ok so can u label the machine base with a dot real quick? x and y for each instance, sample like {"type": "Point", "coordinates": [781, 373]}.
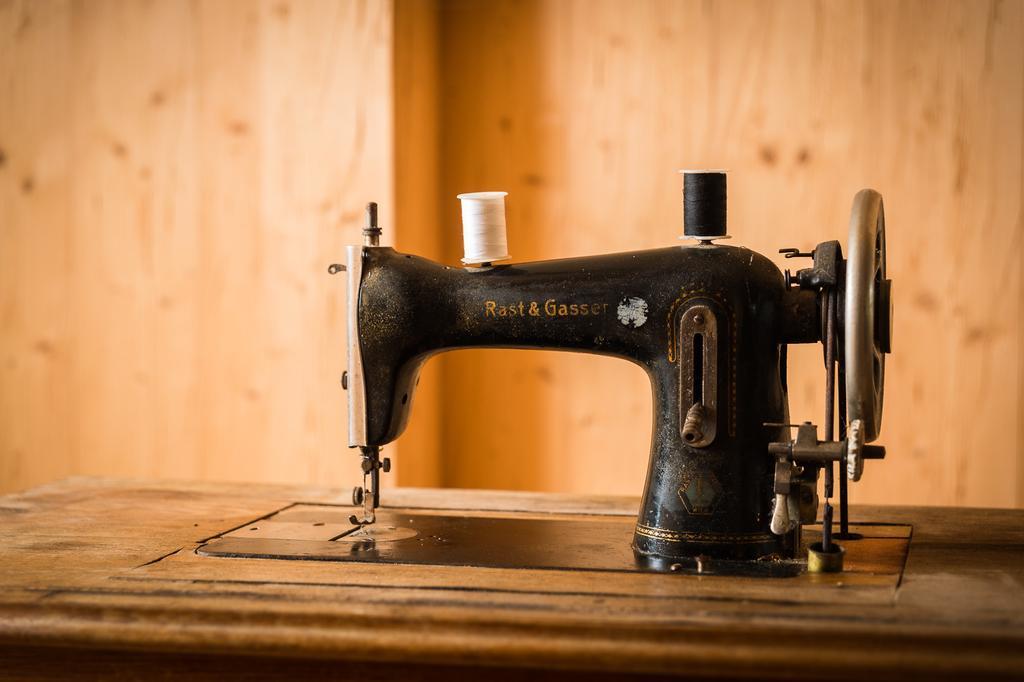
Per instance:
{"type": "Point", "coordinates": [507, 540]}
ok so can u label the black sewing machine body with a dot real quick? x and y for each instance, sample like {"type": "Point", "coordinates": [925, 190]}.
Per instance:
{"type": "Point", "coordinates": [709, 323]}
{"type": "Point", "coordinates": [713, 499]}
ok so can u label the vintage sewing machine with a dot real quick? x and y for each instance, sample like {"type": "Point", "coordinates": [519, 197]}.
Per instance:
{"type": "Point", "coordinates": [709, 322]}
{"type": "Point", "coordinates": [271, 580]}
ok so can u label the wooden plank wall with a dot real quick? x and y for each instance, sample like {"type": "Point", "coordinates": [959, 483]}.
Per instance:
{"type": "Point", "coordinates": [584, 109]}
{"type": "Point", "coordinates": [417, 212]}
{"type": "Point", "coordinates": [174, 177]}
{"type": "Point", "coordinates": [174, 180]}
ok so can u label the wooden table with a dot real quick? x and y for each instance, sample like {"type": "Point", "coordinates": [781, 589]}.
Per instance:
{"type": "Point", "coordinates": [101, 578]}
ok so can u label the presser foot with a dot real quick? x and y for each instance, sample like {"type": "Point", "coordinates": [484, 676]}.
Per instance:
{"type": "Point", "coordinates": [369, 494]}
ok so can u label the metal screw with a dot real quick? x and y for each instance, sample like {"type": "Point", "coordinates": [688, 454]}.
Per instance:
{"type": "Point", "coordinates": [386, 464]}
{"type": "Point", "coordinates": [357, 495]}
{"type": "Point", "coordinates": [344, 380]}
{"type": "Point", "coordinates": [698, 319]}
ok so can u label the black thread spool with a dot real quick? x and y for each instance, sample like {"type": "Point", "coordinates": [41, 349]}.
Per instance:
{"type": "Point", "coordinates": [704, 204]}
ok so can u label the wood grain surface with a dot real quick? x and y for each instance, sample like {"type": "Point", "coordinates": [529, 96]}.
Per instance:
{"type": "Point", "coordinates": [98, 572]}
{"type": "Point", "coordinates": [417, 212]}
{"type": "Point", "coordinates": [175, 180]}
{"type": "Point", "coordinates": [583, 110]}
{"type": "Point", "coordinates": [175, 177]}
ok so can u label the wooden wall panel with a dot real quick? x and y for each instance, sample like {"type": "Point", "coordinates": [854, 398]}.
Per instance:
{"type": "Point", "coordinates": [175, 179]}
{"type": "Point", "coordinates": [583, 111]}
{"type": "Point", "coordinates": [35, 195]}
{"type": "Point", "coordinates": [416, 223]}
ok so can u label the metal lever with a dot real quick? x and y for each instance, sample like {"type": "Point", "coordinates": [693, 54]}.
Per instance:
{"type": "Point", "coordinates": [796, 253]}
{"type": "Point", "coordinates": [698, 376]}
{"type": "Point", "coordinates": [807, 449]}
{"type": "Point", "coordinates": [786, 509]}
{"type": "Point", "coordinates": [693, 425]}
{"type": "Point", "coordinates": [781, 521]}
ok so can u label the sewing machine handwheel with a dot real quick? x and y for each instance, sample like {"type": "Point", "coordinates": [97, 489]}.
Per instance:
{"type": "Point", "coordinates": [867, 313]}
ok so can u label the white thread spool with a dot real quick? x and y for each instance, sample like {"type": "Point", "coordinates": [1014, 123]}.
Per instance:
{"type": "Point", "coordinates": [483, 227]}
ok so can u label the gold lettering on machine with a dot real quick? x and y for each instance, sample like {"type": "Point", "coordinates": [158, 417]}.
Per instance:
{"type": "Point", "coordinates": [548, 308]}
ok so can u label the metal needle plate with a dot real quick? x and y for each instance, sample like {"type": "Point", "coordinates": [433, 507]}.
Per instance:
{"type": "Point", "coordinates": [449, 538]}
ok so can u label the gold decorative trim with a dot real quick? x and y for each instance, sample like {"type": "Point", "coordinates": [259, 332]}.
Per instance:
{"type": "Point", "coordinates": [710, 538]}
